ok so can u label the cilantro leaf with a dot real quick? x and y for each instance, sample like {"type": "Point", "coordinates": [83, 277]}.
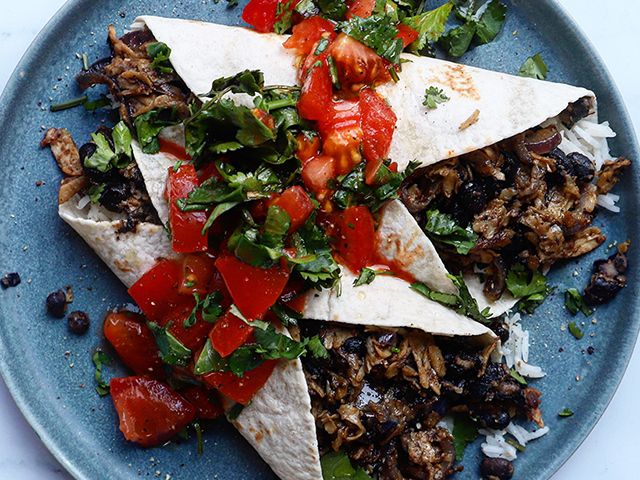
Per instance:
{"type": "Point", "coordinates": [317, 348]}
{"type": "Point", "coordinates": [446, 299]}
{"type": "Point", "coordinates": [333, 9]}
{"type": "Point", "coordinates": [95, 192]}
{"type": "Point", "coordinates": [367, 275]}
{"type": "Point", "coordinates": [310, 240]}
{"type": "Point", "coordinates": [105, 158]}
{"type": "Point", "coordinates": [172, 351]}
{"type": "Point", "coordinates": [429, 25]}
{"type": "Point", "coordinates": [491, 22]}
{"type": "Point", "coordinates": [209, 361]}
{"type": "Point", "coordinates": [516, 376]}
{"type": "Point", "coordinates": [99, 360]}
{"type": "Point", "coordinates": [377, 32]}
{"type": "Point", "coordinates": [276, 226]}
{"type": "Point", "coordinates": [247, 81]}
{"type": "Point", "coordinates": [337, 466]}
{"type": "Point", "coordinates": [458, 40]}
{"type": "Point", "coordinates": [565, 412]}
{"type": "Point", "coordinates": [122, 139]}
{"type": "Point", "coordinates": [160, 53]}
{"type": "Point", "coordinates": [530, 287]}
{"type": "Point", "coordinates": [209, 307]}
{"type": "Point", "coordinates": [464, 432]}
{"type": "Point", "coordinates": [149, 125]}
{"type": "Point", "coordinates": [284, 16]}
{"type": "Point", "coordinates": [534, 67]}
{"type": "Point", "coordinates": [286, 315]}
{"type": "Point", "coordinates": [574, 302]}
{"type": "Point", "coordinates": [443, 229]}
{"type": "Point", "coordinates": [433, 96]}
{"type": "Point", "coordinates": [575, 330]}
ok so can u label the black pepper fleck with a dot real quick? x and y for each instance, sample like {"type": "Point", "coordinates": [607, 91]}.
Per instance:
{"type": "Point", "coordinates": [78, 322]}
{"type": "Point", "coordinates": [10, 280]}
{"type": "Point", "coordinates": [590, 350]}
{"type": "Point", "coordinates": [57, 303]}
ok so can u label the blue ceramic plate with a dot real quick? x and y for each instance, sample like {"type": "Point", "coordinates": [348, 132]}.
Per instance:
{"type": "Point", "coordinates": [50, 372]}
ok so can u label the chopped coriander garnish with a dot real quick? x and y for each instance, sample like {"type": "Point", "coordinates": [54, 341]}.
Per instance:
{"type": "Point", "coordinates": [482, 23]}
{"type": "Point", "coordinates": [464, 432]}
{"type": "Point", "coordinates": [333, 72]}
{"type": "Point", "coordinates": [234, 412]}
{"type": "Point", "coordinates": [74, 102]}
{"type": "Point", "coordinates": [160, 53]}
{"type": "Point", "coordinates": [434, 96]}
{"type": "Point", "coordinates": [286, 315]}
{"type": "Point", "coordinates": [367, 275]}
{"type": "Point", "coordinates": [443, 228]}
{"type": "Point", "coordinates": [198, 429]}
{"type": "Point", "coordinates": [530, 287]}
{"type": "Point", "coordinates": [105, 158]}
{"type": "Point", "coordinates": [514, 443]}
{"type": "Point", "coordinates": [574, 302]}
{"type": "Point", "coordinates": [377, 32]}
{"type": "Point", "coordinates": [515, 375]}
{"type": "Point", "coordinates": [209, 308]}
{"type": "Point", "coordinates": [95, 192]}
{"type": "Point", "coordinates": [172, 351]}
{"type": "Point", "coordinates": [429, 25]}
{"type": "Point", "coordinates": [534, 67]}
{"type": "Point", "coordinates": [93, 105]}
{"type": "Point", "coordinates": [575, 330]}
{"type": "Point", "coordinates": [99, 360]}
{"type": "Point", "coordinates": [565, 412]}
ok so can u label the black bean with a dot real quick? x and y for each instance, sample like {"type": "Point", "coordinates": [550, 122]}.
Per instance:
{"type": "Point", "coordinates": [57, 303]}
{"type": "Point", "coordinates": [496, 468]}
{"type": "Point", "coordinates": [500, 329]}
{"type": "Point", "coordinates": [354, 345]}
{"type": "Point", "coordinates": [491, 416]}
{"type": "Point", "coordinates": [78, 322]}
{"type": "Point", "coordinates": [87, 150]}
{"type": "Point", "coordinates": [474, 195]}
{"type": "Point", "coordinates": [10, 280]}
{"type": "Point", "coordinates": [581, 167]}
{"type": "Point", "coordinates": [113, 196]}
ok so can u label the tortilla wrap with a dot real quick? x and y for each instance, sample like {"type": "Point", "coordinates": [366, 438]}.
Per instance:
{"type": "Point", "coordinates": [506, 104]}
{"type": "Point", "coordinates": [129, 255]}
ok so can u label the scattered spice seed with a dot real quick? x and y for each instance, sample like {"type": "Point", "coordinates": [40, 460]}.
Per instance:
{"type": "Point", "coordinates": [10, 280]}
{"type": "Point", "coordinates": [78, 322]}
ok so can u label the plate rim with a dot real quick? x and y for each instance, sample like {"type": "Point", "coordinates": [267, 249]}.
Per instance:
{"type": "Point", "coordinates": [10, 95]}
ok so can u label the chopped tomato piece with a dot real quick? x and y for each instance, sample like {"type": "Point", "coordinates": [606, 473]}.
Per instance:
{"type": "Point", "coordinates": [317, 92]}
{"type": "Point", "coordinates": [308, 147]}
{"type": "Point", "coordinates": [263, 14]}
{"type": "Point", "coordinates": [407, 34]}
{"type": "Point", "coordinates": [192, 337]}
{"type": "Point", "coordinates": [228, 333]}
{"type": "Point", "coordinates": [354, 237]}
{"type": "Point", "coordinates": [156, 292]}
{"type": "Point", "coordinates": [209, 171]}
{"type": "Point", "coordinates": [297, 204]}
{"type": "Point", "coordinates": [197, 271]}
{"type": "Point", "coordinates": [307, 33]}
{"type": "Point", "coordinates": [254, 290]}
{"type": "Point", "coordinates": [361, 8]}
{"type": "Point", "coordinates": [129, 335]}
{"type": "Point", "coordinates": [206, 408]}
{"type": "Point", "coordinates": [317, 172]}
{"type": "Point", "coordinates": [186, 227]}
{"type": "Point", "coordinates": [172, 148]}
{"type": "Point", "coordinates": [150, 412]}
{"type": "Point", "coordinates": [378, 125]}
{"type": "Point", "coordinates": [241, 389]}
{"type": "Point", "coordinates": [357, 64]}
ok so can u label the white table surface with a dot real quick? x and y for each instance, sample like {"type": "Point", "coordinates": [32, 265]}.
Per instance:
{"type": "Point", "coordinates": [610, 452]}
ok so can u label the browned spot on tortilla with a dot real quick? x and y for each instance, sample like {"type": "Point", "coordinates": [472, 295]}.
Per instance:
{"type": "Point", "coordinates": [473, 118]}
{"type": "Point", "coordinates": [259, 436]}
{"type": "Point", "coordinates": [456, 78]}
{"type": "Point", "coordinates": [122, 265]}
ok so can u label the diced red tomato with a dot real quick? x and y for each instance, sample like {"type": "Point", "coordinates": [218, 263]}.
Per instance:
{"type": "Point", "coordinates": [241, 390]}
{"type": "Point", "coordinates": [172, 148]}
{"type": "Point", "coordinates": [253, 290]}
{"type": "Point", "coordinates": [129, 335]}
{"type": "Point", "coordinates": [306, 34]}
{"type": "Point", "coordinates": [317, 92]}
{"type": "Point", "coordinates": [262, 14]}
{"type": "Point", "coordinates": [156, 292]}
{"type": "Point", "coordinates": [354, 237]}
{"type": "Point", "coordinates": [357, 64]}
{"type": "Point", "coordinates": [206, 408]}
{"type": "Point", "coordinates": [295, 201]}
{"type": "Point", "coordinates": [361, 8]}
{"type": "Point", "coordinates": [186, 227]}
{"type": "Point", "coordinates": [150, 412]}
{"type": "Point", "coordinates": [317, 172]}
{"type": "Point", "coordinates": [308, 147]}
{"type": "Point", "coordinates": [378, 125]}
{"type": "Point", "coordinates": [228, 333]}
{"type": "Point", "coordinates": [407, 34]}
{"type": "Point", "coordinates": [197, 271]}
{"type": "Point", "coordinates": [192, 337]}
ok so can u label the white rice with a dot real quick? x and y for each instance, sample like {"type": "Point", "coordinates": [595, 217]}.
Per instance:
{"type": "Point", "coordinates": [515, 351]}
{"type": "Point", "coordinates": [95, 212]}
{"type": "Point", "coordinates": [496, 446]}
{"type": "Point", "coordinates": [589, 138]}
